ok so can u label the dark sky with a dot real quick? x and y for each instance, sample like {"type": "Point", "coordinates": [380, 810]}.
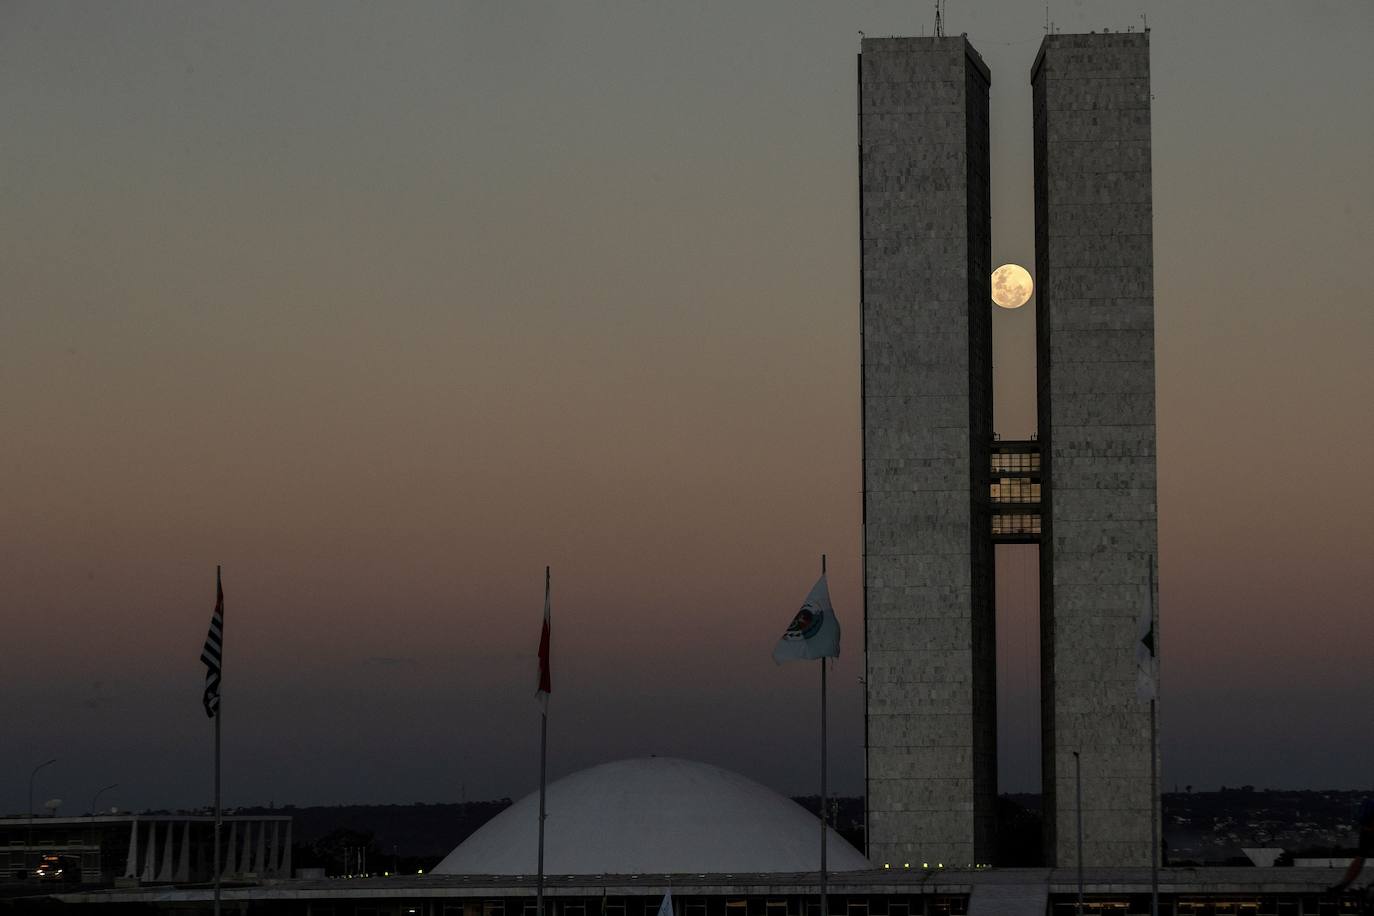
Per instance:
{"type": "Point", "coordinates": [386, 307]}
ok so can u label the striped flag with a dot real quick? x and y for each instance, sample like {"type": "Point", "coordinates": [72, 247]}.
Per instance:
{"type": "Point", "coordinates": [214, 645]}
{"type": "Point", "coordinates": [545, 679]}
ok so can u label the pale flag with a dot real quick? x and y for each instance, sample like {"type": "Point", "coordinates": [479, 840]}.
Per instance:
{"type": "Point", "coordinates": [1146, 659]}
{"type": "Point", "coordinates": [666, 907]}
{"type": "Point", "coordinates": [814, 632]}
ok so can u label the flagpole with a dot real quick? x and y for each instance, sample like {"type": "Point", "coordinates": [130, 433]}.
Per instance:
{"type": "Point", "coordinates": [1078, 812]}
{"type": "Point", "coordinates": [543, 745]}
{"type": "Point", "coordinates": [543, 759]}
{"type": "Point", "coordinates": [1154, 758]}
{"type": "Point", "coordinates": [219, 711]}
{"type": "Point", "coordinates": [824, 801]}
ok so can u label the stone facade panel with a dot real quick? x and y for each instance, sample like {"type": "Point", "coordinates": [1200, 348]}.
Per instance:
{"type": "Point", "coordinates": [1095, 342]}
{"type": "Point", "coordinates": [927, 427]}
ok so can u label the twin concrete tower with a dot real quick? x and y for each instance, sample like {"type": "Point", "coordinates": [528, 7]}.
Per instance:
{"type": "Point", "coordinates": [940, 490]}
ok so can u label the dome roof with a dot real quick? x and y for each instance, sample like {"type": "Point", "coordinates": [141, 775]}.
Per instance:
{"type": "Point", "coordinates": [652, 815]}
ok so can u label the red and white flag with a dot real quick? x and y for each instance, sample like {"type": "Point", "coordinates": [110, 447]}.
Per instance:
{"type": "Point", "coordinates": [545, 680]}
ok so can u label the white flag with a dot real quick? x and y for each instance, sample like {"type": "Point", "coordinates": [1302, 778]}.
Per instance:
{"type": "Point", "coordinates": [1146, 681]}
{"type": "Point", "coordinates": [666, 907]}
{"type": "Point", "coordinates": [814, 632]}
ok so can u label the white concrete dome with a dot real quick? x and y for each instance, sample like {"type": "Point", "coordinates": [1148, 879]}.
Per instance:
{"type": "Point", "coordinates": [652, 815]}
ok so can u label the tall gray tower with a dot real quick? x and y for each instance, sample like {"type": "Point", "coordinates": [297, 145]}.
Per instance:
{"type": "Point", "coordinates": [1095, 351]}
{"type": "Point", "coordinates": [927, 415]}
{"type": "Point", "coordinates": [940, 491]}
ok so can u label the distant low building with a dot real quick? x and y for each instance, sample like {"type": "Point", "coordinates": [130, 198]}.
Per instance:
{"type": "Point", "coordinates": [142, 848]}
{"type": "Point", "coordinates": [1322, 862]}
{"type": "Point", "coordinates": [1263, 856]}
{"type": "Point", "coordinates": [618, 836]}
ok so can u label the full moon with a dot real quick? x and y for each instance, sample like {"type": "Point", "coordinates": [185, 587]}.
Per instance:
{"type": "Point", "coordinates": [1011, 286]}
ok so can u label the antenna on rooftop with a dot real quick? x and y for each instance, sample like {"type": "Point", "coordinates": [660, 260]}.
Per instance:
{"type": "Point", "coordinates": [1144, 22]}
{"type": "Point", "coordinates": [1047, 18]}
{"type": "Point", "coordinates": [939, 18]}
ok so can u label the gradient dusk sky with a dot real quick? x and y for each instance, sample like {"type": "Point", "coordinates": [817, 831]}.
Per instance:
{"type": "Point", "coordinates": [386, 306]}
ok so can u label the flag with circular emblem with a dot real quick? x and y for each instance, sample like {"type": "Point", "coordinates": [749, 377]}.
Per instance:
{"type": "Point", "coordinates": [814, 632]}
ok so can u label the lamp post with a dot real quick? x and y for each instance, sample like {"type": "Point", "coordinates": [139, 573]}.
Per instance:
{"type": "Point", "coordinates": [94, 842]}
{"type": "Point", "coordinates": [28, 839]}
{"type": "Point", "coordinates": [103, 790]}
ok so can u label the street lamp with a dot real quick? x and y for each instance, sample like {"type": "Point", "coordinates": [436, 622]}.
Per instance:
{"type": "Point", "coordinates": [94, 841]}
{"type": "Point", "coordinates": [113, 785]}
{"type": "Point", "coordinates": [28, 840]}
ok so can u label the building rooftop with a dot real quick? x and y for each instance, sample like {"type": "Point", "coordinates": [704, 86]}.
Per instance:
{"type": "Point", "coordinates": [652, 814]}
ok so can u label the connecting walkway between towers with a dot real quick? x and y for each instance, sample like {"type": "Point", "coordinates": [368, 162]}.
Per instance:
{"type": "Point", "coordinates": [1014, 491]}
